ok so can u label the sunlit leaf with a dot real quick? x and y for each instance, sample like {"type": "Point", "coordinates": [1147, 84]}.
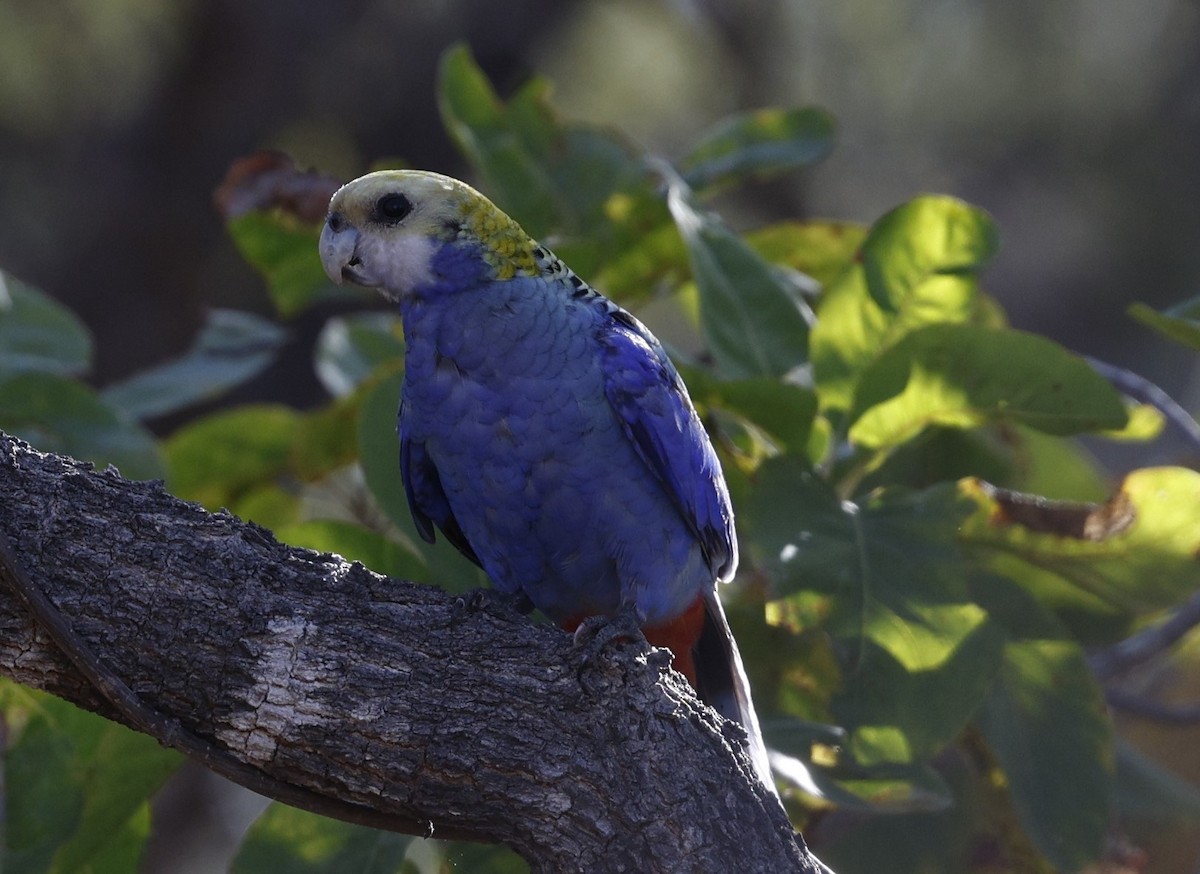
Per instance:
{"type": "Point", "coordinates": [39, 334]}
{"type": "Point", "coordinates": [754, 323]}
{"type": "Point", "coordinates": [1137, 552]}
{"type": "Point", "coordinates": [476, 118]}
{"type": "Point", "coordinates": [255, 460]}
{"type": "Point", "coordinates": [379, 447]}
{"type": "Point", "coordinates": [1053, 468]}
{"type": "Point", "coordinates": [231, 348]}
{"type": "Point", "coordinates": [917, 266]}
{"type": "Point", "coordinates": [926, 237]}
{"type": "Point", "coordinates": [1180, 322]}
{"type": "Point", "coordinates": [852, 330]}
{"type": "Point", "coordinates": [217, 459]}
{"type": "Point", "coordinates": [758, 145]}
{"type": "Point", "coordinates": [820, 249]}
{"type": "Point", "coordinates": [919, 654]}
{"type": "Point", "coordinates": [963, 376]}
{"type": "Point", "coordinates": [1144, 422]}
{"type": "Point", "coordinates": [56, 414]}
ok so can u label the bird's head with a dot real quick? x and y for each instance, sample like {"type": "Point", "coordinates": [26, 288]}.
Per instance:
{"type": "Point", "coordinates": [386, 230]}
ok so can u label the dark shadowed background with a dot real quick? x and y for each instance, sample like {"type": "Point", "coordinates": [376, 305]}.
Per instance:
{"type": "Point", "coordinates": [1076, 124]}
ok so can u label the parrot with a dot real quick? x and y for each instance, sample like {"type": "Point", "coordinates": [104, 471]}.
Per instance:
{"type": "Point", "coordinates": [543, 429]}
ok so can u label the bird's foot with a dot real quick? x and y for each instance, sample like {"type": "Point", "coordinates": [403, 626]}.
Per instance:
{"type": "Point", "coordinates": [597, 634]}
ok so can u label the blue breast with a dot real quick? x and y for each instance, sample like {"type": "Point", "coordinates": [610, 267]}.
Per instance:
{"type": "Point", "coordinates": [505, 391]}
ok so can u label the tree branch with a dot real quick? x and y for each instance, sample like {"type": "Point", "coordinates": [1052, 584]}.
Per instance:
{"type": "Point", "coordinates": [316, 681]}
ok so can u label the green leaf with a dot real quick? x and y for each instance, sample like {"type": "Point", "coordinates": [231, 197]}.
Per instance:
{"type": "Point", "coordinates": [379, 447]}
{"type": "Point", "coordinates": [937, 840]}
{"type": "Point", "coordinates": [355, 543]}
{"type": "Point", "coordinates": [351, 347]}
{"type": "Point", "coordinates": [1138, 552]}
{"type": "Point", "coordinates": [298, 842]}
{"type": "Point", "coordinates": [783, 411]}
{"type": "Point", "coordinates": [758, 144]}
{"type": "Point", "coordinates": [326, 439]}
{"type": "Point", "coordinates": [56, 414]}
{"type": "Point", "coordinates": [284, 250]}
{"type": "Point", "coordinates": [919, 654]}
{"type": "Point", "coordinates": [926, 237]}
{"type": "Point", "coordinates": [231, 348]}
{"type": "Point", "coordinates": [822, 250]}
{"type": "Point", "coordinates": [39, 334]}
{"type": "Point", "coordinates": [221, 458]}
{"type": "Point", "coordinates": [887, 789]}
{"type": "Point", "coordinates": [568, 179]}
{"type": "Point", "coordinates": [1054, 468]}
{"type": "Point", "coordinates": [78, 788]}
{"type": "Point", "coordinates": [963, 376]}
{"type": "Point", "coordinates": [655, 259]}
{"type": "Point", "coordinates": [854, 327]}
{"type": "Point", "coordinates": [1180, 322]}
{"type": "Point", "coordinates": [1044, 719]}
{"type": "Point", "coordinates": [476, 119]}
{"type": "Point", "coordinates": [755, 324]}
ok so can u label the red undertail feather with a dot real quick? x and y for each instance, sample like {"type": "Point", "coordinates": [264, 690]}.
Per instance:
{"type": "Point", "coordinates": [680, 636]}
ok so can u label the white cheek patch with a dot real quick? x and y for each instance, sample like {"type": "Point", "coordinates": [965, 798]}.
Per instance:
{"type": "Point", "coordinates": [399, 263]}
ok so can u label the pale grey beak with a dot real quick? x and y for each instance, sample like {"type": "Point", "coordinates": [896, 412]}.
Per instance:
{"type": "Point", "coordinates": [339, 250]}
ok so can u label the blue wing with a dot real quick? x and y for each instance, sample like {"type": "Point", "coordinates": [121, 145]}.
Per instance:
{"type": "Point", "coordinates": [652, 404]}
{"type": "Point", "coordinates": [426, 500]}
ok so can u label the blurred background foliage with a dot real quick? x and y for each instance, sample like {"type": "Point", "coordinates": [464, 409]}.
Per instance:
{"type": "Point", "coordinates": [1073, 125]}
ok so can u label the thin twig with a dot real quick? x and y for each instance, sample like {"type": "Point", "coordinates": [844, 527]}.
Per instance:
{"type": "Point", "coordinates": [1155, 711]}
{"type": "Point", "coordinates": [1141, 389]}
{"type": "Point", "coordinates": [1148, 643]}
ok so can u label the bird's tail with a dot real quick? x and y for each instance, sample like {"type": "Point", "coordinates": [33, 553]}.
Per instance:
{"type": "Point", "coordinates": [720, 681]}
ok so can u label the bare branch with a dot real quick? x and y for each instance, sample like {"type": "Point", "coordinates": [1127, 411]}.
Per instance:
{"type": "Point", "coordinates": [1144, 391]}
{"type": "Point", "coordinates": [1152, 710]}
{"type": "Point", "coordinates": [1148, 643]}
{"type": "Point", "coordinates": [315, 680]}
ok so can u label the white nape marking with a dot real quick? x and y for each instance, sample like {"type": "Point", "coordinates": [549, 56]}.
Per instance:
{"type": "Point", "coordinates": [399, 264]}
{"type": "Point", "coordinates": [278, 699]}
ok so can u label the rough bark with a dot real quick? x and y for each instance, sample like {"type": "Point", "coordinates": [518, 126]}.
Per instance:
{"type": "Point", "coordinates": [312, 679]}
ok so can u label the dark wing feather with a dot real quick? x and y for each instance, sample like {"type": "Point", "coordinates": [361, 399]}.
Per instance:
{"type": "Point", "coordinates": [652, 404]}
{"type": "Point", "coordinates": [426, 500]}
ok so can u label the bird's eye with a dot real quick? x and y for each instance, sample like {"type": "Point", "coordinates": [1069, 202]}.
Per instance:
{"type": "Point", "coordinates": [393, 207]}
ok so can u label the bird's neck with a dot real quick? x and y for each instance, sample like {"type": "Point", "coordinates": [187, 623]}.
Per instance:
{"type": "Point", "coordinates": [455, 268]}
